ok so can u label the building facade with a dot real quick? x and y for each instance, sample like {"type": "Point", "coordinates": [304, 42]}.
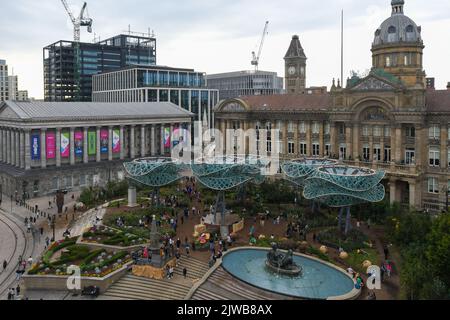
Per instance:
{"type": "Point", "coordinates": [386, 120]}
{"type": "Point", "coordinates": [46, 146]}
{"type": "Point", "coordinates": [295, 67]}
{"type": "Point", "coordinates": [68, 75]}
{"type": "Point", "coordinates": [245, 83]}
{"type": "Point", "coordinates": [183, 87]}
{"type": "Point", "coordinates": [4, 92]}
{"type": "Point", "coordinates": [13, 91]}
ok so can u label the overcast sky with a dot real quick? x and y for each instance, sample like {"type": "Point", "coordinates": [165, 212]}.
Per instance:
{"type": "Point", "coordinates": [215, 36]}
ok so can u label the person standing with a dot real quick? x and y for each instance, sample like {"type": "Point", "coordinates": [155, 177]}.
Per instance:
{"type": "Point", "coordinates": [386, 252]}
{"type": "Point", "coordinates": [184, 272]}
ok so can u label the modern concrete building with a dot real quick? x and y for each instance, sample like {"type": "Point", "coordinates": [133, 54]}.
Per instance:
{"type": "Point", "coordinates": [183, 87]}
{"type": "Point", "coordinates": [387, 120]}
{"type": "Point", "coordinates": [13, 91]}
{"type": "Point", "coordinates": [47, 146]}
{"type": "Point", "coordinates": [4, 84]}
{"type": "Point", "coordinates": [68, 69]}
{"type": "Point", "coordinates": [245, 83]}
{"type": "Point", "coordinates": [22, 95]}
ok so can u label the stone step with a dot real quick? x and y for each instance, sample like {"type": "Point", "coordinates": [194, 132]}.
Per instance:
{"type": "Point", "coordinates": [135, 294]}
{"type": "Point", "coordinates": [151, 282]}
{"type": "Point", "coordinates": [203, 294]}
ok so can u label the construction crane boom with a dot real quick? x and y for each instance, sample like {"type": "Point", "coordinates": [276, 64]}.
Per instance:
{"type": "Point", "coordinates": [79, 22]}
{"type": "Point", "coordinates": [255, 58]}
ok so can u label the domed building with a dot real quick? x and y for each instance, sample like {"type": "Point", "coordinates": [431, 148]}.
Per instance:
{"type": "Point", "coordinates": [389, 119]}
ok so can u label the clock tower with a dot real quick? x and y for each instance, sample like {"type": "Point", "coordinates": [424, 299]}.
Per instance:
{"type": "Point", "coordinates": [295, 67]}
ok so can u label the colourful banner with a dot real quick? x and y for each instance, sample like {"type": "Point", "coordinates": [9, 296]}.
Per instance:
{"type": "Point", "coordinates": [104, 141]}
{"type": "Point", "coordinates": [50, 145]}
{"type": "Point", "coordinates": [78, 141]}
{"type": "Point", "coordinates": [167, 137]}
{"type": "Point", "coordinates": [35, 147]}
{"type": "Point", "coordinates": [65, 144]}
{"type": "Point", "coordinates": [92, 143]}
{"type": "Point", "coordinates": [116, 141]}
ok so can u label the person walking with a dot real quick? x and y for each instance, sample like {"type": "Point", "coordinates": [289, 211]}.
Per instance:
{"type": "Point", "coordinates": [5, 264]}
{"type": "Point", "coordinates": [386, 252]}
{"type": "Point", "coordinates": [184, 272]}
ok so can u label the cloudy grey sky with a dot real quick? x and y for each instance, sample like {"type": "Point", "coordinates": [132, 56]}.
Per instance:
{"type": "Point", "coordinates": [219, 35]}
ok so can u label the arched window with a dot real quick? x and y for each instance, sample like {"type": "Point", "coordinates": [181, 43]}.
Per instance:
{"type": "Point", "coordinates": [377, 33]}
{"type": "Point", "coordinates": [409, 33]}
{"type": "Point", "coordinates": [391, 34]}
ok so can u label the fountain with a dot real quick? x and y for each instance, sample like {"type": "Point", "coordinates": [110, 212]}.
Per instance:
{"type": "Point", "coordinates": [282, 263]}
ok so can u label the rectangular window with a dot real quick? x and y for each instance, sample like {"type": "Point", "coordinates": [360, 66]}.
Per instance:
{"type": "Point", "coordinates": [434, 156]}
{"type": "Point", "coordinates": [302, 127]}
{"type": "Point", "coordinates": [303, 149]}
{"type": "Point", "coordinates": [315, 149]}
{"type": "Point", "coordinates": [433, 186]}
{"type": "Point", "coordinates": [387, 131]}
{"type": "Point", "coordinates": [315, 127]}
{"type": "Point", "coordinates": [366, 153]}
{"type": "Point", "coordinates": [327, 150]}
{"type": "Point", "coordinates": [410, 132]}
{"type": "Point", "coordinates": [290, 126]}
{"type": "Point", "coordinates": [433, 132]}
{"type": "Point", "coordinates": [376, 131]}
{"type": "Point", "coordinates": [410, 156]}
{"type": "Point", "coordinates": [387, 154]}
{"type": "Point", "coordinates": [341, 128]}
{"type": "Point", "coordinates": [327, 128]}
{"type": "Point", "coordinates": [377, 153]}
{"type": "Point", "coordinates": [342, 151]}
{"type": "Point", "coordinates": [268, 146]}
{"type": "Point", "coordinates": [291, 147]}
{"type": "Point", "coordinates": [365, 131]}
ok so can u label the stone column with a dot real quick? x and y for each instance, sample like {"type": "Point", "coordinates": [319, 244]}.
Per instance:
{"type": "Point", "coordinates": [8, 146]}
{"type": "Point", "coordinates": [321, 140]}
{"type": "Point", "coordinates": [162, 140]}
{"type": "Point", "coordinates": [1, 142]}
{"type": "Point", "coordinates": [72, 146]}
{"type": "Point", "coordinates": [22, 150]}
{"type": "Point", "coordinates": [444, 140]}
{"type": "Point", "coordinates": [333, 139]}
{"type": "Point", "coordinates": [132, 196]}
{"type": "Point", "coordinates": [356, 146]}
{"type": "Point", "coordinates": [110, 135]}
{"type": "Point", "coordinates": [17, 153]}
{"type": "Point", "coordinates": [398, 144]}
{"type": "Point", "coordinates": [98, 154]}
{"type": "Point", "coordinates": [13, 147]}
{"type": "Point", "coordinates": [122, 144]}
{"type": "Point", "coordinates": [412, 194]}
{"type": "Point", "coordinates": [392, 191]}
{"type": "Point", "coordinates": [171, 137]}
{"type": "Point", "coordinates": [3, 147]}
{"type": "Point", "coordinates": [58, 147]}
{"type": "Point", "coordinates": [43, 153]}
{"type": "Point", "coordinates": [152, 141]}
{"type": "Point", "coordinates": [285, 137]}
{"type": "Point", "coordinates": [85, 145]}
{"type": "Point", "coordinates": [308, 127]}
{"type": "Point", "coordinates": [27, 150]}
{"type": "Point", "coordinates": [348, 141]}
{"type": "Point", "coordinates": [132, 143]}
{"type": "Point", "coordinates": [143, 141]}
{"type": "Point", "coordinates": [371, 147]}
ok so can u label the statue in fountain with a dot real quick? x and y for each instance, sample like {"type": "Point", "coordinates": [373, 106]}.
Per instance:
{"type": "Point", "coordinates": [282, 263]}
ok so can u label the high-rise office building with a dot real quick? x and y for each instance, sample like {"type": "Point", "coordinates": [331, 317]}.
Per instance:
{"type": "Point", "coordinates": [13, 88]}
{"type": "Point", "coordinates": [4, 92]}
{"type": "Point", "coordinates": [67, 78]}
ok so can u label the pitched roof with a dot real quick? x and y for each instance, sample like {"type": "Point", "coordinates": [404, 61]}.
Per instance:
{"type": "Point", "coordinates": [438, 100]}
{"type": "Point", "coordinates": [289, 102]}
{"type": "Point", "coordinates": [29, 110]}
{"type": "Point", "coordinates": [295, 49]}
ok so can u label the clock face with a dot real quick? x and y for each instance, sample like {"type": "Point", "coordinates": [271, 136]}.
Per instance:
{"type": "Point", "coordinates": [291, 70]}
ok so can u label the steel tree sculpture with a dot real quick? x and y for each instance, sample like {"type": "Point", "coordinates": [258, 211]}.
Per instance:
{"type": "Point", "coordinates": [223, 173]}
{"type": "Point", "coordinates": [155, 172]}
{"type": "Point", "coordinates": [343, 186]}
{"type": "Point", "coordinates": [297, 171]}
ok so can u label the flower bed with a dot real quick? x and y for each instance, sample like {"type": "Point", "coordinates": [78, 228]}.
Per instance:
{"type": "Point", "coordinates": [354, 240]}
{"type": "Point", "coordinates": [92, 263]}
{"type": "Point", "coordinates": [109, 236]}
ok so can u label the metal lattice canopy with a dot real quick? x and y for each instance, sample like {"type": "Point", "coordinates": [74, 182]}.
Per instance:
{"type": "Point", "coordinates": [297, 171]}
{"type": "Point", "coordinates": [343, 186]}
{"type": "Point", "coordinates": [226, 172]}
{"type": "Point", "coordinates": [155, 172]}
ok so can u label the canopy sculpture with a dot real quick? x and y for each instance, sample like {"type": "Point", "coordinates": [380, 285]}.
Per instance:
{"type": "Point", "coordinates": [343, 186]}
{"type": "Point", "coordinates": [297, 171]}
{"type": "Point", "coordinates": [227, 172]}
{"type": "Point", "coordinates": [155, 172]}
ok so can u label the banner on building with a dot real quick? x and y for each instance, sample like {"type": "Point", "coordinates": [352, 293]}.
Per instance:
{"type": "Point", "coordinates": [65, 144]}
{"type": "Point", "coordinates": [116, 141]}
{"type": "Point", "coordinates": [167, 137]}
{"type": "Point", "coordinates": [104, 141]}
{"type": "Point", "coordinates": [92, 143]}
{"type": "Point", "coordinates": [78, 143]}
{"type": "Point", "coordinates": [50, 145]}
{"type": "Point", "coordinates": [35, 147]}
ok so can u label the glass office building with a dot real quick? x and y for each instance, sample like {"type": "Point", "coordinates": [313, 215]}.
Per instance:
{"type": "Point", "coordinates": [183, 87]}
{"type": "Point", "coordinates": [67, 78]}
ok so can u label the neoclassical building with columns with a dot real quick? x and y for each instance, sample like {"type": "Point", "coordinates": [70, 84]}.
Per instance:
{"type": "Point", "coordinates": [48, 146]}
{"type": "Point", "coordinates": [388, 119]}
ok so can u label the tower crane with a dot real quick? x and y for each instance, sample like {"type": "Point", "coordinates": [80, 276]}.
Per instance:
{"type": "Point", "coordinates": [79, 22]}
{"type": "Point", "coordinates": [255, 58]}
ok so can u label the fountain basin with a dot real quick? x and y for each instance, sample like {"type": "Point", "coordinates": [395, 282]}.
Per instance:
{"type": "Point", "coordinates": [319, 280]}
{"type": "Point", "coordinates": [295, 271]}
